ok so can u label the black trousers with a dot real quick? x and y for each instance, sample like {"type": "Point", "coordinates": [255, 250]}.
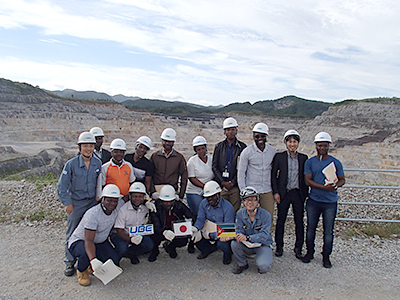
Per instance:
{"type": "Point", "coordinates": [292, 197]}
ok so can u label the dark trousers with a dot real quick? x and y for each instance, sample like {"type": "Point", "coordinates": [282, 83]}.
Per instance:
{"type": "Point", "coordinates": [293, 197]}
{"type": "Point", "coordinates": [205, 248]}
{"type": "Point", "coordinates": [177, 242]}
{"type": "Point", "coordinates": [104, 251]}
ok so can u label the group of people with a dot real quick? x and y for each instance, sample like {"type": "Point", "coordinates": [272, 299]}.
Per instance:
{"type": "Point", "coordinates": [107, 193]}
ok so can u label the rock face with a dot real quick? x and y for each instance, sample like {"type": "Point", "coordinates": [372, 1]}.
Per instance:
{"type": "Point", "coordinates": [365, 134]}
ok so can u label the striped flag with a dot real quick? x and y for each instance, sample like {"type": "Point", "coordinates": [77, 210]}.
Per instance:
{"type": "Point", "coordinates": [226, 230]}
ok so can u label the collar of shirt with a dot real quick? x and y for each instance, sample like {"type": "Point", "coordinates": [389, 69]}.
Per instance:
{"type": "Point", "coordinates": [259, 150]}
{"type": "Point", "coordinates": [289, 156]}
{"type": "Point", "coordinates": [167, 155]}
{"type": "Point", "coordinates": [130, 207]}
{"type": "Point", "coordinates": [114, 164]}
{"type": "Point", "coordinates": [247, 217]}
{"type": "Point", "coordinates": [82, 163]}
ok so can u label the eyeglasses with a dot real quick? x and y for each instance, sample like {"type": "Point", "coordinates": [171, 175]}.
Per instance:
{"type": "Point", "coordinates": [263, 136]}
{"type": "Point", "coordinates": [250, 200]}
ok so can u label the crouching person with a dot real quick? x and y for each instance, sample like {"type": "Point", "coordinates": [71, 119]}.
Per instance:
{"type": "Point", "coordinates": [217, 210]}
{"type": "Point", "coordinates": [133, 213]}
{"type": "Point", "coordinates": [168, 210]}
{"type": "Point", "coordinates": [253, 225]}
{"type": "Point", "coordinates": [89, 242]}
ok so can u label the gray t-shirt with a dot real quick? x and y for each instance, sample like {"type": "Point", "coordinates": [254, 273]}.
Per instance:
{"type": "Point", "coordinates": [94, 219]}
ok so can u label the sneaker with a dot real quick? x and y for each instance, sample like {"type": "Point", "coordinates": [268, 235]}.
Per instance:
{"type": "Point", "coordinates": [297, 251]}
{"type": "Point", "coordinates": [239, 269]}
{"type": "Point", "coordinates": [326, 262]}
{"type": "Point", "coordinates": [279, 252]}
{"type": "Point", "coordinates": [69, 270]}
{"type": "Point", "coordinates": [172, 253]}
{"type": "Point", "coordinates": [308, 257]}
{"type": "Point", "coordinates": [83, 278]}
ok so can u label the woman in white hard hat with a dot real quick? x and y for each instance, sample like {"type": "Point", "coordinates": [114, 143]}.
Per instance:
{"type": "Point", "coordinates": [200, 172]}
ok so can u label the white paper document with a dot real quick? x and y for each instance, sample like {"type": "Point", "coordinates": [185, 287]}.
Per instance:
{"type": "Point", "coordinates": [330, 173]}
{"type": "Point", "coordinates": [251, 245]}
{"type": "Point", "coordinates": [111, 271]}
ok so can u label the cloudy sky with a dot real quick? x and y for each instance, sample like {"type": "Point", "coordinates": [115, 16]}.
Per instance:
{"type": "Point", "coordinates": [205, 52]}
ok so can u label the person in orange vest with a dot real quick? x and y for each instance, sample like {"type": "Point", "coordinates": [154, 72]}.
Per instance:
{"type": "Point", "coordinates": [118, 171]}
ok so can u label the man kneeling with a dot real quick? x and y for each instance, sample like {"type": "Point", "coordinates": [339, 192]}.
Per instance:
{"type": "Point", "coordinates": [133, 213]}
{"type": "Point", "coordinates": [253, 225]}
{"type": "Point", "coordinates": [89, 241]}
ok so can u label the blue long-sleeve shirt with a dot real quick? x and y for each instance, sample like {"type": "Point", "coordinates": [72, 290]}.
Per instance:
{"type": "Point", "coordinates": [222, 213]}
{"type": "Point", "coordinates": [259, 230]}
{"type": "Point", "coordinates": [77, 182]}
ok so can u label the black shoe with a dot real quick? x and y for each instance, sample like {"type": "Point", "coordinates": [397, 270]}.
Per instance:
{"type": "Point", "coordinates": [153, 256]}
{"type": "Point", "coordinates": [191, 247]}
{"type": "Point", "coordinates": [308, 257]}
{"type": "Point", "coordinates": [227, 261]}
{"type": "Point", "coordinates": [69, 270]}
{"type": "Point", "coordinates": [326, 262]}
{"type": "Point", "coordinates": [172, 253]}
{"type": "Point", "coordinates": [166, 247]}
{"type": "Point", "coordinates": [134, 260]}
{"type": "Point", "coordinates": [297, 251]}
{"type": "Point", "coordinates": [278, 252]}
{"type": "Point", "coordinates": [261, 272]}
{"type": "Point", "coordinates": [239, 269]}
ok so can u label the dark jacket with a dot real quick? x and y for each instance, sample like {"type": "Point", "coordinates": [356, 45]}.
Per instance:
{"type": "Point", "coordinates": [279, 174]}
{"type": "Point", "coordinates": [106, 156]}
{"type": "Point", "coordinates": [219, 160]}
{"type": "Point", "coordinates": [180, 210]}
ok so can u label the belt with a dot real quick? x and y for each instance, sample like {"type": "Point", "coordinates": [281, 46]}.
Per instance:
{"type": "Point", "coordinates": [292, 190]}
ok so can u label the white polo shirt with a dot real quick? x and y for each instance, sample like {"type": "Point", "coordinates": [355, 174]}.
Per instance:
{"type": "Point", "coordinates": [128, 216]}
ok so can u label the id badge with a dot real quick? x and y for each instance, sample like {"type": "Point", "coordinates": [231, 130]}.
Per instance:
{"type": "Point", "coordinates": [225, 174]}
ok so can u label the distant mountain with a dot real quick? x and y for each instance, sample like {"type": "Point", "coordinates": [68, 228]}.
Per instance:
{"type": "Point", "coordinates": [89, 95]}
{"type": "Point", "coordinates": [122, 98]}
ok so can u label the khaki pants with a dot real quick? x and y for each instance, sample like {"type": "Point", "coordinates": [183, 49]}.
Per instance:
{"type": "Point", "coordinates": [267, 202]}
{"type": "Point", "coordinates": [233, 196]}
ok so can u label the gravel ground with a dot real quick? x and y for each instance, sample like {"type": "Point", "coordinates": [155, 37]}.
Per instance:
{"type": "Point", "coordinates": [31, 261]}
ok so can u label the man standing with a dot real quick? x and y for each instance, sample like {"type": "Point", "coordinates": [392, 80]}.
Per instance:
{"type": "Point", "coordinates": [76, 189]}
{"type": "Point", "coordinates": [142, 167]}
{"type": "Point", "coordinates": [323, 196]}
{"type": "Point", "coordinates": [89, 241]}
{"type": "Point", "coordinates": [255, 167]}
{"type": "Point", "coordinates": [132, 213]}
{"type": "Point", "coordinates": [169, 165]}
{"type": "Point", "coordinates": [101, 153]}
{"type": "Point", "coordinates": [118, 171]}
{"type": "Point", "coordinates": [169, 210]}
{"type": "Point", "coordinates": [289, 187]}
{"type": "Point", "coordinates": [224, 163]}
{"type": "Point", "coordinates": [217, 210]}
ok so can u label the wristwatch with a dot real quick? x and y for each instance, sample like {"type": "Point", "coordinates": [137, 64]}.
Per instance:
{"type": "Point", "coordinates": [247, 238]}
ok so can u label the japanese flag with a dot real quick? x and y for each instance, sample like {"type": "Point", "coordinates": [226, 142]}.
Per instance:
{"type": "Point", "coordinates": [183, 228]}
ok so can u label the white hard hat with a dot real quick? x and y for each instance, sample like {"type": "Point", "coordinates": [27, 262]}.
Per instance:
{"type": "Point", "coordinates": [137, 187]}
{"type": "Point", "coordinates": [118, 144]}
{"type": "Point", "coordinates": [248, 192]}
{"type": "Point", "coordinates": [167, 193]}
{"type": "Point", "coordinates": [97, 131]}
{"type": "Point", "coordinates": [144, 140]}
{"type": "Point", "coordinates": [111, 190]}
{"type": "Point", "coordinates": [86, 138]}
{"type": "Point", "coordinates": [211, 188]}
{"type": "Point", "coordinates": [199, 140]}
{"type": "Point", "coordinates": [229, 122]}
{"type": "Point", "coordinates": [289, 133]}
{"type": "Point", "coordinates": [322, 137]}
{"type": "Point", "coordinates": [169, 135]}
{"type": "Point", "coordinates": [261, 128]}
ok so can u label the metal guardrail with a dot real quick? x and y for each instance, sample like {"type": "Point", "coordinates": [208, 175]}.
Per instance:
{"type": "Point", "coordinates": [370, 203]}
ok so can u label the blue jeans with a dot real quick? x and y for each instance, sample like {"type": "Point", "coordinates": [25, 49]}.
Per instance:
{"type": "Point", "coordinates": [193, 201]}
{"type": "Point", "coordinates": [205, 247]}
{"type": "Point", "coordinates": [264, 255]}
{"type": "Point", "coordinates": [104, 251]}
{"type": "Point", "coordinates": [328, 211]}
{"type": "Point", "coordinates": [124, 247]}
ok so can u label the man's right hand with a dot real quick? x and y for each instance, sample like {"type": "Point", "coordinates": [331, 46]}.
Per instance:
{"type": "Point", "coordinates": [277, 198]}
{"type": "Point", "coordinates": [68, 209]}
{"type": "Point", "coordinates": [228, 185]}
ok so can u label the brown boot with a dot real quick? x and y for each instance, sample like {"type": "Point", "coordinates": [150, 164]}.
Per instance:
{"type": "Point", "coordinates": [83, 277]}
